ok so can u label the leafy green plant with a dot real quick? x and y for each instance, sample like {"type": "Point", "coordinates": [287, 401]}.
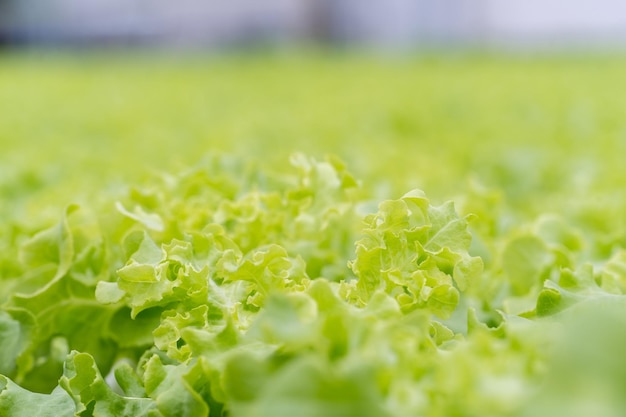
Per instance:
{"type": "Point", "coordinates": [209, 293]}
{"type": "Point", "coordinates": [246, 283]}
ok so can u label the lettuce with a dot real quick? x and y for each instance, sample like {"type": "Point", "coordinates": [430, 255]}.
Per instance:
{"type": "Point", "coordinates": [212, 293]}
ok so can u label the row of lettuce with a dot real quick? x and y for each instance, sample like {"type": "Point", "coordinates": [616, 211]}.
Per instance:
{"type": "Point", "coordinates": [230, 290]}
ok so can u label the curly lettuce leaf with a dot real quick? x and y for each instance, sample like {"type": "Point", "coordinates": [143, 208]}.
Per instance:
{"type": "Point", "coordinates": [416, 252]}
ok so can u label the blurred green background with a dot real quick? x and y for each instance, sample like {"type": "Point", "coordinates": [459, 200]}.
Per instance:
{"type": "Point", "coordinates": [72, 124]}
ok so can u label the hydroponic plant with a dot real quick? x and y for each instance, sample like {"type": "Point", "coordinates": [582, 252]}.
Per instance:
{"type": "Point", "coordinates": [212, 293]}
{"type": "Point", "coordinates": [139, 279]}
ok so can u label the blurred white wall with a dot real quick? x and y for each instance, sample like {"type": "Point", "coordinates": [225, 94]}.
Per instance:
{"type": "Point", "coordinates": [557, 21]}
{"type": "Point", "coordinates": [403, 23]}
{"type": "Point", "coordinates": [182, 21]}
{"type": "Point", "coordinates": [377, 23]}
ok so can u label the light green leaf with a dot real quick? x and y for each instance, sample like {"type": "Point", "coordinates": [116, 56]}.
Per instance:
{"type": "Point", "coordinates": [51, 246]}
{"type": "Point", "coordinates": [108, 292]}
{"type": "Point", "coordinates": [150, 220]}
{"type": "Point", "coordinates": [304, 388]}
{"type": "Point", "coordinates": [173, 394]}
{"type": "Point", "coordinates": [82, 380]}
{"type": "Point", "coordinates": [16, 327]}
{"type": "Point", "coordinates": [524, 260]}
{"type": "Point", "coordinates": [466, 271]}
{"type": "Point", "coordinates": [15, 401]}
{"type": "Point", "coordinates": [447, 230]}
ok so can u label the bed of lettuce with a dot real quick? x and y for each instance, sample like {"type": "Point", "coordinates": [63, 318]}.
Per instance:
{"type": "Point", "coordinates": [254, 284]}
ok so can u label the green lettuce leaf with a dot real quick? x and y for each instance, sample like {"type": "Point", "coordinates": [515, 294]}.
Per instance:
{"type": "Point", "coordinates": [15, 401]}
{"type": "Point", "coordinates": [416, 252]}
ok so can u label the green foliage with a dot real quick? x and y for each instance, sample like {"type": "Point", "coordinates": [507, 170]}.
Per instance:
{"type": "Point", "coordinates": [249, 284]}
